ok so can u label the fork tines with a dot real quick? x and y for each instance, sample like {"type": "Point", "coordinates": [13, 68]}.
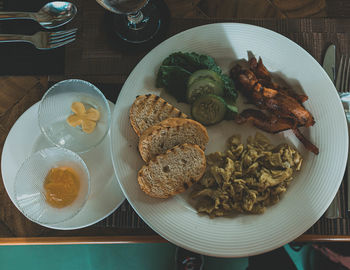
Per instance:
{"type": "Point", "coordinates": [61, 38]}
{"type": "Point", "coordinates": [342, 82]}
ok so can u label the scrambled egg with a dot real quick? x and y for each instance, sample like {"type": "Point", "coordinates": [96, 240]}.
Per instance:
{"type": "Point", "coordinates": [245, 178]}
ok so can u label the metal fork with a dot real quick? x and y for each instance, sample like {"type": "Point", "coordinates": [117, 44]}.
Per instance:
{"type": "Point", "coordinates": [342, 85]}
{"type": "Point", "coordinates": [342, 82]}
{"type": "Point", "coordinates": [43, 40]}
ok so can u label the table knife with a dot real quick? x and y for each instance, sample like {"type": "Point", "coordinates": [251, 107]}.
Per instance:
{"type": "Point", "coordinates": [334, 210]}
{"type": "Point", "coordinates": [345, 99]}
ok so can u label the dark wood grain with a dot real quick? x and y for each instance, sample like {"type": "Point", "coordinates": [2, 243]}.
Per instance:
{"type": "Point", "coordinates": [238, 9]}
{"type": "Point", "coordinates": [338, 8]}
{"type": "Point", "coordinates": [140, 238]}
{"type": "Point", "coordinates": [16, 89]}
{"type": "Point", "coordinates": [301, 8]}
{"type": "Point", "coordinates": [18, 93]}
{"type": "Point", "coordinates": [122, 239]}
{"type": "Point", "coordinates": [228, 9]}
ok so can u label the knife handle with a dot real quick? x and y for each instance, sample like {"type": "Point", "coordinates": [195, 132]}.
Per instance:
{"type": "Point", "coordinates": [348, 183]}
{"type": "Point", "coordinates": [334, 210]}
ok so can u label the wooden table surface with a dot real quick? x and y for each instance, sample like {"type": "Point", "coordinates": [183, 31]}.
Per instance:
{"type": "Point", "coordinates": [17, 93]}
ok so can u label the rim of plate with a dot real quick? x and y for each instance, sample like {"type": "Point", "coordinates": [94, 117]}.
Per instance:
{"type": "Point", "coordinates": [306, 225]}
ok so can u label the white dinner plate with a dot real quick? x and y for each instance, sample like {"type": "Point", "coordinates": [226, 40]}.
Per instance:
{"type": "Point", "coordinates": [25, 138]}
{"type": "Point", "coordinates": [309, 194]}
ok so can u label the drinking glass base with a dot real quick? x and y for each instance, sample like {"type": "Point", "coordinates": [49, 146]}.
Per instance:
{"type": "Point", "coordinates": [151, 26]}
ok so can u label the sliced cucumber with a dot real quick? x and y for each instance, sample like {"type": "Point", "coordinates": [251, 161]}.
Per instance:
{"type": "Point", "coordinates": [204, 74]}
{"type": "Point", "coordinates": [209, 109]}
{"type": "Point", "coordinates": [203, 86]}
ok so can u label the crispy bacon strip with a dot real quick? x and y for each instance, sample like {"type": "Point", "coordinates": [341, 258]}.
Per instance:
{"type": "Point", "coordinates": [285, 106]}
{"type": "Point", "coordinates": [269, 84]}
{"type": "Point", "coordinates": [274, 125]}
{"type": "Point", "coordinates": [308, 145]}
{"type": "Point", "coordinates": [265, 80]}
{"type": "Point", "coordinates": [248, 80]}
{"type": "Point", "coordinates": [259, 69]}
{"type": "Point", "coordinates": [300, 98]}
{"type": "Point", "coordinates": [280, 104]}
{"type": "Point", "coordinates": [270, 124]}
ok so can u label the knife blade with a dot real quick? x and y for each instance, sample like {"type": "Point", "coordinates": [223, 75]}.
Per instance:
{"type": "Point", "coordinates": [329, 62]}
{"type": "Point", "coordinates": [334, 210]}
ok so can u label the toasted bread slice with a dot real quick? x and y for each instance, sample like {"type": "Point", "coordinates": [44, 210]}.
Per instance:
{"type": "Point", "coordinates": [148, 110]}
{"type": "Point", "coordinates": [173, 172]}
{"type": "Point", "coordinates": [170, 132]}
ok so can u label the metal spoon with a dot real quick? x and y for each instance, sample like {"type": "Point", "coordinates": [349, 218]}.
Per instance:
{"type": "Point", "coordinates": [53, 14]}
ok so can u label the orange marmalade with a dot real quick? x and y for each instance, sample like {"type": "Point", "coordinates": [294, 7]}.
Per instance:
{"type": "Point", "coordinates": [61, 186]}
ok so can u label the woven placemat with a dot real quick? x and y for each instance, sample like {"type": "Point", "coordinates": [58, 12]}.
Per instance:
{"type": "Point", "coordinates": [314, 35]}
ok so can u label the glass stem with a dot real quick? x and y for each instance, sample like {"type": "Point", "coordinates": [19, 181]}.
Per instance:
{"type": "Point", "coordinates": [135, 18]}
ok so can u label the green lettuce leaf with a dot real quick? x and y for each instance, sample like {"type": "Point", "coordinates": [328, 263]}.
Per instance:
{"type": "Point", "coordinates": [175, 70]}
{"type": "Point", "coordinates": [174, 80]}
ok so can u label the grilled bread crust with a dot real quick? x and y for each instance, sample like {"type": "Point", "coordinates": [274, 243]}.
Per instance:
{"type": "Point", "coordinates": [170, 132]}
{"type": "Point", "coordinates": [173, 172]}
{"type": "Point", "coordinates": [148, 110]}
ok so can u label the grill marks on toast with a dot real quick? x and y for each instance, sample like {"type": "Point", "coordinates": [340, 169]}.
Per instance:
{"type": "Point", "coordinates": [148, 110]}
{"type": "Point", "coordinates": [169, 133]}
{"type": "Point", "coordinates": [178, 165]}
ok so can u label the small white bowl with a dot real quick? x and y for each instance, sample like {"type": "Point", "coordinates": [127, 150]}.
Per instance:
{"type": "Point", "coordinates": [29, 185]}
{"type": "Point", "coordinates": [55, 107]}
